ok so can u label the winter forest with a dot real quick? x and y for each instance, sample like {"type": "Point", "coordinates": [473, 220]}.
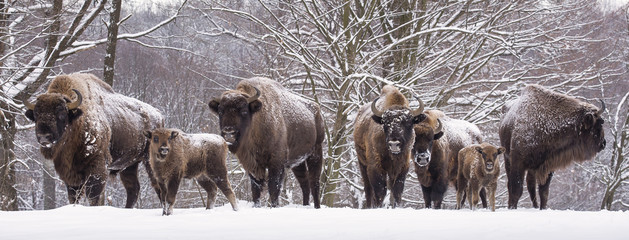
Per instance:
{"type": "Point", "coordinates": [466, 58]}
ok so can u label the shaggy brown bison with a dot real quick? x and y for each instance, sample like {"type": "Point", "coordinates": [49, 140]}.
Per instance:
{"type": "Point", "coordinates": [543, 131]}
{"type": "Point", "coordinates": [438, 140]}
{"type": "Point", "coordinates": [269, 129]}
{"type": "Point", "coordinates": [175, 155]}
{"type": "Point", "coordinates": [478, 169]}
{"type": "Point", "coordinates": [383, 137]}
{"type": "Point", "coordinates": [87, 129]}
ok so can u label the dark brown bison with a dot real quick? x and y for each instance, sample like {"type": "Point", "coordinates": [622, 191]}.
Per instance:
{"type": "Point", "coordinates": [543, 131]}
{"type": "Point", "coordinates": [383, 137]}
{"type": "Point", "coordinates": [438, 140]}
{"type": "Point", "coordinates": [478, 169]}
{"type": "Point", "coordinates": [270, 129]}
{"type": "Point", "coordinates": [175, 155]}
{"type": "Point", "coordinates": [89, 130]}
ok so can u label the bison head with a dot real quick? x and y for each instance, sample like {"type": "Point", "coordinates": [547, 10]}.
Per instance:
{"type": "Point", "coordinates": [160, 142]}
{"type": "Point", "coordinates": [489, 155]}
{"type": "Point", "coordinates": [398, 123]}
{"type": "Point", "coordinates": [235, 111]}
{"type": "Point", "coordinates": [52, 113]}
{"type": "Point", "coordinates": [424, 139]}
{"type": "Point", "coordinates": [592, 129]}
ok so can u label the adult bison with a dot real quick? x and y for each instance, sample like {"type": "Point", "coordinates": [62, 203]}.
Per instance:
{"type": "Point", "coordinates": [383, 137]}
{"type": "Point", "coordinates": [438, 140]}
{"type": "Point", "coordinates": [269, 129]}
{"type": "Point", "coordinates": [88, 131]}
{"type": "Point", "coordinates": [543, 131]}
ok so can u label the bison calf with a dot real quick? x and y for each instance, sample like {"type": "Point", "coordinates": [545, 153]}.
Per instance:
{"type": "Point", "coordinates": [175, 155]}
{"type": "Point", "coordinates": [478, 169]}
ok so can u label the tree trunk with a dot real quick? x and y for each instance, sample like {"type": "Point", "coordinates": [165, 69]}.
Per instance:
{"type": "Point", "coordinates": [50, 185]}
{"type": "Point", "coordinates": [8, 193]}
{"type": "Point", "coordinates": [112, 39]}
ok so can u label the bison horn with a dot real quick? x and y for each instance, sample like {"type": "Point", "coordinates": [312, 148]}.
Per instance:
{"type": "Point", "coordinates": [600, 111]}
{"type": "Point", "coordinates": [77, 103]}
{"type": "Point", "coordinates": [255, 97]}
{"type": "Point", "coordinates": [374, 109]}
{"type": "Point", "coordinates": [29, 105]}
{"type": "Point", "coordinates": [420, 109]}
{"type": "Point", "coordinates": [440, 126]}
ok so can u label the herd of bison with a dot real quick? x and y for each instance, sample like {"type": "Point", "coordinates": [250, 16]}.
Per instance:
{"type": "Point", "coordinates": [90, 132]}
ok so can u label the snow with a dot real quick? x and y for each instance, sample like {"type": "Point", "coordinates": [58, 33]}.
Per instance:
{"type": "Point", "coordinates": [298, 222]}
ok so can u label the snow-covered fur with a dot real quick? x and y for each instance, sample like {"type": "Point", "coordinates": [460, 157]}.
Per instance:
{"type": "Point", "coordinates": [478, 169]}
{"type": "Point", "coordinates": [269, 129]}
{"type": "Point", "coordinates": [543, 131]}
{"type": "Point", "coordinates": [438, 140]}
{"type": "Point", "coordinates": [383, 145]}
{"type": "Point", "coordinates": [175, 155]}
{"type": "Point", "coordinates": [103, 133]}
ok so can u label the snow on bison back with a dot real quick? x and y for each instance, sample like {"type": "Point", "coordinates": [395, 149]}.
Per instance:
{"type": "Point", "coordinates": [543, 131]}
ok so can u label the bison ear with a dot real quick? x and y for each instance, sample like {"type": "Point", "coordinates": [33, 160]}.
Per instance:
{"type": "Point", "coordinates": [438, 135]}
{"type": "Point", "coordinates": [255, 106]}
{"type": "Point", "coordinates": [419, 118]}
{"type": "Point", "coordinates": [147, 134]}
{"type": "Point", "coordinates": [377, 119]}
{"type": "Point", "coordinates": [30, 115]}
{"type": "Point", "coordinates": [174, 134]}
{"type": "Point", "coordinates": [501, 150]}
{"type": "Point", "coordinates": [214, 105]}
{"type": "Point", "coordinates": [74, 114]}
{"type": "Point", "coordinates": [588, 122]}
{"type": "Point", "coordinates": [479, 149]}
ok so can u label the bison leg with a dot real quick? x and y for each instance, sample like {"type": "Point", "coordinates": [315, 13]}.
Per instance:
{"type": "Point", "coordinates": [492, 195]}
{"type": "Point", "coordinates": [427, 192]}
{"type": "Point", "coordinates": [366, 186]}
{"type": "Point", "coordinates": [171, 194]}
{"type": "Point", "coordinates": [74, 193]}
{"type": "Point", "coordinates": [378, 184]}
{"type": "Point", "coordinates": [94, 187]}
{"type": "Point", "coordinates": [153, 179]}
{"type": "Point", "coordinates": [515, 180]}
{"type": "Point", "coordinates": [397, 188]}
{"type": "Point", "coordinates": [129, 179]}
{"type": "Point", "coordinates": [256, 189]}
{"type": "Point", "coordinates": [315, 166]}
{"type": "Point", "coordinates": [543, 192]}
{"type": "Point", "coordinates": [210, 188]}
{"type": "Point", "coordinates": [460, 192]}
{"type": "Point", "coordinates": [301, 173]}
{"type": "Point", "coordinates": [276, 175]}
{"type": "Point", "coordinates": [483, 197]}
{"type": "Point", "coordinates": [223, 184]}
{"type": "Point", "coordinates": [531, 183]}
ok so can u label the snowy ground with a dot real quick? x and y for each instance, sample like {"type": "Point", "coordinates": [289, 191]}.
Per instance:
{"type": "Point", "coordinates": [297, 222]}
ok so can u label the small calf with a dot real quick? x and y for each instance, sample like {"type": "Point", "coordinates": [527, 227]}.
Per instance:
{"type": "Point", "coordinates": [175, 155]}
{"type": "Point", "coordinates": [478, 169]}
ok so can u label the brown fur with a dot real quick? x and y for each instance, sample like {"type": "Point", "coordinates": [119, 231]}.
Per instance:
{"type": "Point", "coordinates": [544, 131]}
{"type": "Point", "coordinates": [473, 175]}
{"type": "Point", "coordinates": [279, 130]}
{"type": "Point", "coordinates": [376, 161]}
{"type": "Point", "coordinates": [192, 156]}
{"type": "Point", "coordinates": [444, 147]}
{"type": "Point", "coordinates": [104, 133]}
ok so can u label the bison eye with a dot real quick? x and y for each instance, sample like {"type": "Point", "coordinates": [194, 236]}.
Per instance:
{"type": "Point", "coordinates": [244, 113]}
{"type": "Point", "coordinates": [155, 139]}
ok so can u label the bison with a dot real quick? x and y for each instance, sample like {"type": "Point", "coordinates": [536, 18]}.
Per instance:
{"type": "Point", "coordinates": [543, 131]}
{"type": "Point", "coordinates": [383, 137]}
{"type": "Point", "coordinates": [269, 129]}
{"type": "Point", "coordinates": [175, 155]}
{"type": "Point", "coordinates": [89, 130]}
{"type": "Point", "coordinates": [478, 169]}
{"type": "Point", "coordinates": [438, 140]}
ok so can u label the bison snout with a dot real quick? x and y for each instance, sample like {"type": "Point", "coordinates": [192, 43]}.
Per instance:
{"type": "Point", "coordinates": [45, 139]}
{"type": "Point", "coordinates": [394, 147]}
{"type": "Point", "coordinates": [229, 134]}
{"type": "Point", "coordinates": [489, 165]}
{"type": "Point", "coordinates": [423, 159]}
{"type": "Point", "coordinates": [163, 151]}
{"type": "Point", "coordinates": [602, 146]}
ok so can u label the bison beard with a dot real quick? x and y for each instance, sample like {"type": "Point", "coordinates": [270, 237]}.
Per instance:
{"type": "Point", "coordinates": [270, 129]}
{"type": "Point", "coordinates": [98, 134]}
{"type": "Point", "coordinates": [543, 131]}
